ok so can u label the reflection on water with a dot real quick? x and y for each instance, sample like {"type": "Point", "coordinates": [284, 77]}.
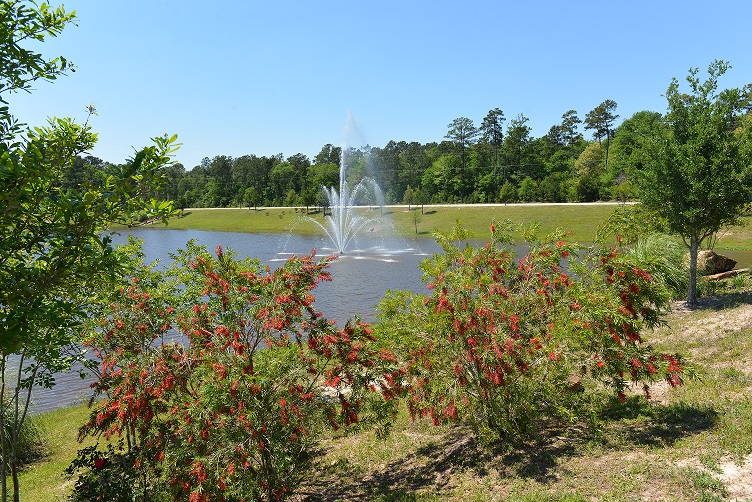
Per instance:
{"type": "Point", "coordinates": [359, 279]}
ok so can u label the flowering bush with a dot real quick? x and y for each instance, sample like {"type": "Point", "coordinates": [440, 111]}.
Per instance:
{"type": "Point", "coordinates": [503, 342]}
{"type": "Point", "coordinates": [233, 413]}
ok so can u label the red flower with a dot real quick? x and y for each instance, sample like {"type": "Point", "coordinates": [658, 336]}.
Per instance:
{"type": "Point", "coordinates": [99, 463]}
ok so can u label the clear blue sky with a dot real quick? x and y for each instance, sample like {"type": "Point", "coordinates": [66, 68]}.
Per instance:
{"type": "Point", "coordinates": [268, 77]}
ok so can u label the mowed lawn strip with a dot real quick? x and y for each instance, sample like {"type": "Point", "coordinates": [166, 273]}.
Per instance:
{"type": "Point", "coordinates": [581, 221]}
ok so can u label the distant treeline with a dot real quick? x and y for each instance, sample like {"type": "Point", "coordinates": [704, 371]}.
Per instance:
{"type": "Point", "coordinates": [489, 163]}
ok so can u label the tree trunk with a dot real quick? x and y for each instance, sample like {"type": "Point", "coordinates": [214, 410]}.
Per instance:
{"type": "Point", "coordinates": [694, 244]}
{"type": "Point", "coordinates": [16, 485]}
{"type": "Point", "coordinates": [3, 418]}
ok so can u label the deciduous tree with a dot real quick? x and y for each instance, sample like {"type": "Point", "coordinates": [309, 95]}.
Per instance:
{"type": "Point", "coordinates": [696, 171]}
{"type": "Point", "coordinates": [53, 239]}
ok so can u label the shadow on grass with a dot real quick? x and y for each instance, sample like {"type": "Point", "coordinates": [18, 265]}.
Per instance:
{"type": "Point", "coordinates": [431, 467]}
{"type": "Point", "coordinates": [646, 424]}
{"type": "Point", "coordinates": [720, 302]}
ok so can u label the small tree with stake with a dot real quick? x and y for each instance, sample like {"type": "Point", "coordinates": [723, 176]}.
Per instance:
{"type": "Point", "coordinates": [696, 171]}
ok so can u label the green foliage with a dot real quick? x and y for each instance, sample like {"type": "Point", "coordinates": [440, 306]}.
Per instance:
{"type": "Point", "coordinates": [500, 339]}
{"type": "Point", "coordinates": [664, 259]}
{"type": "Point", "coordinates": [110, 475]}
{"type": "Point", "coordinates": [23, 23]}
{"type": "Point", "coordinates": [528, 190]}
{"type": "Point", "coordinates": [32, 441]}
{"type": "Point", "coordinates": [508, 192]}
{"type": "Point", "coordinates": [639, 232]}
{"type": "Point", "coordinates": [628, 223]}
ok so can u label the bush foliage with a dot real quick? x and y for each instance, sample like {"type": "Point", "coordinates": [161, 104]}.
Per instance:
{"type": "Point", "coordinates": [504, 341]}
{"type": "Point", "coordinates": [235, 412]}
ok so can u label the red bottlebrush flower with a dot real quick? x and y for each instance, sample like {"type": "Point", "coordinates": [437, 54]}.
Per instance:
{"type": "Point", "coordinates": [554, 356]}
{"type": "Point", "coordinates": [622, 397]}
{"type": "Point", "coordinates": [333, 382]}
{"type": "Point", "coordinates": [99, 463]}
{"type": "Point", "coordinates": [221, 370]}
{"type": "Point", "coordinates": [199, 471]}
{"type": "Point", "coordinates": [601, 364]}
{"type": "Point", "coordinates": [674, 380]}
{"type": "Point", "coordinates": [197, 497]}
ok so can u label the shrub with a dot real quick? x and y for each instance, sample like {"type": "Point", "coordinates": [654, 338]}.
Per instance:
{"type": "Point", "coordinates": [663, 258]}
{"type": "Point", "coordinates": [502, 342]}
{"type": "Point", "coordinates": [235, 412]}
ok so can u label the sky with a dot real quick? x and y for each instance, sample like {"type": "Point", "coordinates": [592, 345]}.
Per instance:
{"type": "Point", "coordinates": [281, 77]}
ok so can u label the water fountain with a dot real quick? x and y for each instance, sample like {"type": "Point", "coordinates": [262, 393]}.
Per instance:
{"type": "Point", "coordinates": [344, 222]}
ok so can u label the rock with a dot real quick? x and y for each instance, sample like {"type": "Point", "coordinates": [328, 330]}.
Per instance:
{"type": "Point", "coordinates": [709, 263]}
{"type": "Point", "coordinates": [574, 383]}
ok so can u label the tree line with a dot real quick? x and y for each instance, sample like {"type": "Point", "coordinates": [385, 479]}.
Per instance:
{"type": "Point", "coordinates": [497, 161]}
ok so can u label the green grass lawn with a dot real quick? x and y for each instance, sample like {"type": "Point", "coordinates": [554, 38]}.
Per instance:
{"type": "Point", "coordinates": [581, 220]}
{"type": "Point", "coordinates": [46, 481]}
